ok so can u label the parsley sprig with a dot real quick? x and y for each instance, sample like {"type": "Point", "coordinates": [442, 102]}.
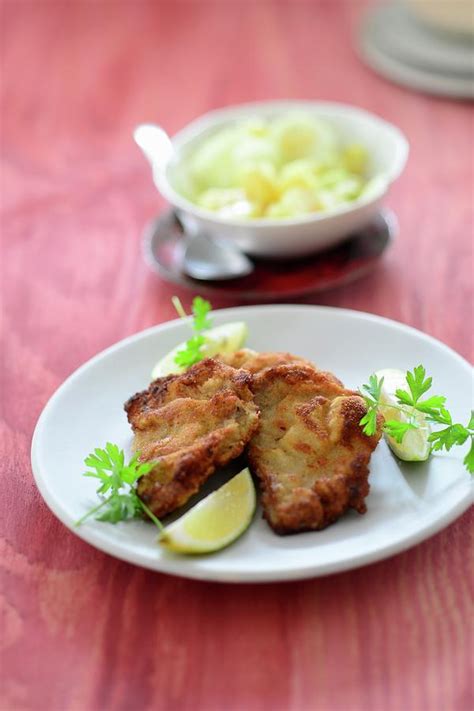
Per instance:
{"type": "Point", "coordinates": [120, 500]}
{"type": "Point", "coordinates": [192, 351]}
{"type": "Point", "coordinates": [372, 398]}
{"type": "Point", "coordinates": [410, 402]}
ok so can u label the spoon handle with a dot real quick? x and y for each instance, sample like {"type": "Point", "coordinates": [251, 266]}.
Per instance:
{"type": "Point", "coordinates": [155, 144]}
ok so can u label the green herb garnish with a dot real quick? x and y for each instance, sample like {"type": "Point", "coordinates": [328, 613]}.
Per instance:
{"type": "Point", "coordinates": [120, 500]}
{"type": "Point", "coordinates": [410, 402]}
{"type": "Point", "coordinates": [192, 351]}
{"type": "Point", "coordinates": [369, 421]}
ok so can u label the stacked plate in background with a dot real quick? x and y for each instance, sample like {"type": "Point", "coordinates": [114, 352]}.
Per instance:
{"type": "Point", "coordinates": [416, 50]}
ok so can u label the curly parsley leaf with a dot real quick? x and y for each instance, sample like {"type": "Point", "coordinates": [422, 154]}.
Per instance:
{"type": "Point", "coordinates": [448, 437]}
{"type": "Point", "coordinates": [418, 385]}
{"type": "Point", "coordinates": [192, 353]}
{"type": "Point", "coordinates": [117, 480]}
{"type": "Point", "coordinates": [431, 405]}
{"type": "Point", "coordinates": [398, 430]}
{"type": "Point", "coordinates": [469, 458]}
{"type": "Point", "coordinates": [417, 382]}
{"type": "Point", "coordinates": [440, 416]}
{"type": "Point", "coordinates": [373, 388]}
{"type": "Point", "coordinates": [369, 421]}
{"type": "Point", "coordinates": [201, 309]}
{"type": "Point", "coordinates": [119, 507]}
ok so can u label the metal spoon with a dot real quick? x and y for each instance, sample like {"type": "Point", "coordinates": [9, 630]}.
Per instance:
{"type": "Point", "coordinates": [203, 257]}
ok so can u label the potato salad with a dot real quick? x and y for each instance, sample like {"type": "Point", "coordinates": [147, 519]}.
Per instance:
{"type": "Point", "coordinates": [282, 167]}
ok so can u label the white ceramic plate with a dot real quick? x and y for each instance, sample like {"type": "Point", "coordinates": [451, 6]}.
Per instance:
{"type": "Point", "coordinates": [407, 503]}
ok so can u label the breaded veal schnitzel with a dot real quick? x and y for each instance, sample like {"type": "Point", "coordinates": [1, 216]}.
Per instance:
{"type": "Point", "coordinates": [192, 423]}
{"type": "Point", "coordinates": [309, 452]}
{"type": "Point", "coordinates": [255, 362]}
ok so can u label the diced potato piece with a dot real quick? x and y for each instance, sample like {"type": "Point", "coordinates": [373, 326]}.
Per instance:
{"type": "Point", "coordinates": [294, 135]}
{"type": "Point", "coordinates": [259, 182]}
{"type": "Point", "coordinates": [293, 202]}
{"type": "Point", "coordinates": [299, 174]}
{"type": "Point", "coordinates": [355, 158]}
{"type": "Point", "coordinates": [254, 149]}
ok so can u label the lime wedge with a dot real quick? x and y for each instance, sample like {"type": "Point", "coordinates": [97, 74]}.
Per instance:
{"type": "Point", "coordinates": [216, 521]}
{"type": "Point", "coordinates": [221, 339]}
{"type": "Point", "coordinates": [414, 446]}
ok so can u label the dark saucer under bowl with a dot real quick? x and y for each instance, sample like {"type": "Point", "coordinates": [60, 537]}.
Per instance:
{"type": "Point", "coordinates": [274, 280]}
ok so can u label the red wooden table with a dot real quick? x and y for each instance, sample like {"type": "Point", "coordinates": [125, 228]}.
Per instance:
{"type": "Point", "coordinates": [85, 632]}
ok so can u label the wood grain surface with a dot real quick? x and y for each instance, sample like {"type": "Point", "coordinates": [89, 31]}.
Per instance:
{"type": "Point", "coordinates": [85, 632]}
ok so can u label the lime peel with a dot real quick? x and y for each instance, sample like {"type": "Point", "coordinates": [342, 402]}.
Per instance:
{"type": "Point", "coordinates": [216, 521]}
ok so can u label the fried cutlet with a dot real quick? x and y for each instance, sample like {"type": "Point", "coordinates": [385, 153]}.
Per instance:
{"type": "Point", "coordinates": [255, 362]}
{"type": "Point", "coordinates": [190, 424]}
{"type": "Point", "coordinates": [309, 452]}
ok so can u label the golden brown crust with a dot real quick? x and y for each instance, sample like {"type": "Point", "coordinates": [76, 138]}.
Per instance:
{"type": "Point", "coordinates": [256, 362]}
{"type": "Point", "coordinates": [190, 424]}
{"type": "Point", "coordinates": [309, 453]}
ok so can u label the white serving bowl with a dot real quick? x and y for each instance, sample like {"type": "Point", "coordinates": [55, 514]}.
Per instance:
{"type": "Point", "coordinates": [289, 237]}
